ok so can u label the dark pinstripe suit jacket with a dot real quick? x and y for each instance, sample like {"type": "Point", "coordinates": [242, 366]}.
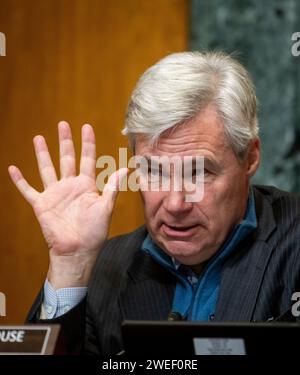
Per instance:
{"type": "Point", "coordinates": [258, 279]}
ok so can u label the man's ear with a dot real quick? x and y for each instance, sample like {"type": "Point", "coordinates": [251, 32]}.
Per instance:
{"type": "Point", "coordinates": [253, 157]}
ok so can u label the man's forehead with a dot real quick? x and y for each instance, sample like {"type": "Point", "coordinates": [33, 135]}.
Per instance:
{"type": "Point", "coordinates": [188, 143]}
{"type": "Point", "coordinates": [204, 130]}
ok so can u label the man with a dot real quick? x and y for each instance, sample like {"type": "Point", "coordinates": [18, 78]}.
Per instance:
{"type": "Point", "coordinates": [233, 255]}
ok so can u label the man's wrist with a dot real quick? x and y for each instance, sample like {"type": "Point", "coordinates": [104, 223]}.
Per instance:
{"type": "Point", "coordinates": [70, 271]}
{"type": "Point", "coordinates": [60, 301]}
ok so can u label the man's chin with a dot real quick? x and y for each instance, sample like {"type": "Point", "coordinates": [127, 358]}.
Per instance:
{"type": "Point", "coordinates": [183, 251]}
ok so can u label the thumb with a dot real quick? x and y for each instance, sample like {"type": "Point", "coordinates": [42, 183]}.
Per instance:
{"type": "Point", "coordinates": [114, 183]}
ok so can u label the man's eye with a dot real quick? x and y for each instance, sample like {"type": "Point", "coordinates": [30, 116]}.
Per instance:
{"type": "Point", "coordinates": [154, 172]}
{"type": "Point", "coordinates": [198, 172]}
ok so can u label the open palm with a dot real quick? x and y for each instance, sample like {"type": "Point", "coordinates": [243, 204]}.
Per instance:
{"type": "Point", "coordinates": [73, 216]}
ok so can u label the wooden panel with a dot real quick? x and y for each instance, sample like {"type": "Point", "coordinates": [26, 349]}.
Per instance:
{"type": "Point", "coordinates": [75, 60]}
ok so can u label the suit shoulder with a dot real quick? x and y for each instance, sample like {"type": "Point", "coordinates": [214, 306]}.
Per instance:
{"type": "Point", "coordinates": [114, 260]}
{"type": "Point", "coordinates": [119, 250]}
{"type": "Point", "coordinates": [285, 206]}
{"type": "Point", "coordinates": [277, 196]}
{"type": "Point", "coordinates": [126, 240]}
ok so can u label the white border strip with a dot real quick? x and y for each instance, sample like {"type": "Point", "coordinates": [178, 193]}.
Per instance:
{"type": "Point", "coordinates": [29, 328]}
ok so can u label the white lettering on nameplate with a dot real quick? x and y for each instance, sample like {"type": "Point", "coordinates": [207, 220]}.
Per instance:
{"type": "Point", "coordinates": [219, 346]}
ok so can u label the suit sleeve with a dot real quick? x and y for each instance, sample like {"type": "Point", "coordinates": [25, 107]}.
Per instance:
{"type": "Point", "coordinates": [73, 326]}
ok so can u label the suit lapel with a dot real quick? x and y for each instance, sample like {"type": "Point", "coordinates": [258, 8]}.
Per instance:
{"type": "Point", "coordinates": [149, 291]}
{"type": "Point", "coordinates": [243, 273]}
{"type": "Point", "coordinates": [240, 284]}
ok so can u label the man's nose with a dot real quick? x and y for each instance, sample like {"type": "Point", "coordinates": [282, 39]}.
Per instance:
{"type": "Point", "coordinates": [175, 202]}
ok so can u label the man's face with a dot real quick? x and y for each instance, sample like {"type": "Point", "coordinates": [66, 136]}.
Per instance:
{"type": "Point", "coordinates": [192, 232]}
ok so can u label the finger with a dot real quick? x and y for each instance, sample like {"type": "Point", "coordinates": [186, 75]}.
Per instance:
{"type": "Point", "coordinates": [114, 182]}
{"type": "Point", "coordinates": [28, 192]}
{"type": "Point", "coordinates": [46, 168]}
{"type": "Point", "coordinates": [88, 152]}
{"type": "Point", "coordinates": [66, 150]}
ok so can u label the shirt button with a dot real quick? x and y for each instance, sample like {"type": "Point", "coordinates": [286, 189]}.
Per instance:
{"type": "Point", "coordinates": [49, 309]}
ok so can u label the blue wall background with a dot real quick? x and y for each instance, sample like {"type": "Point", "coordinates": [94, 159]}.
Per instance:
{"type": "Point", "coordinates": [260, 34]}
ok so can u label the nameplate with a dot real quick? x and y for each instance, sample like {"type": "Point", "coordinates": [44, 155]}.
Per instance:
{"type": "Point", "coordinates": [219, 346]}
{"type": "Point", "coordinates": [28, 339]}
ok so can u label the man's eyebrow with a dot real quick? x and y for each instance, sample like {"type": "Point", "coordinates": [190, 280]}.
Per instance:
{"type": "Point", "coordinates": [153, 160]}
{"type": "Point", "coordinates": [208, 161]}
{"type": "Point", "coordinates": [211, 163]}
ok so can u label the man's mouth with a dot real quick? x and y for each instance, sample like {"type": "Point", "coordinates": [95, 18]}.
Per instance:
{"type": "Point", "coordinates": [179, 231]}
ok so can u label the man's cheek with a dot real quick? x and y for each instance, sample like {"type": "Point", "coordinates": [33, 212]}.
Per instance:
{"type": "Point", "coordinates": [152, 201]}
{"type": "Point", "coordinates": [151, 213]}
{"type": "Point", "coordinates": [210, 193]}
{"type": "Point", "coordinates": [210, 203]}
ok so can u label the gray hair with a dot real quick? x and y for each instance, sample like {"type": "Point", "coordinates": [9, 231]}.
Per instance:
{"type": "Point", "coordinates": [180, 85]}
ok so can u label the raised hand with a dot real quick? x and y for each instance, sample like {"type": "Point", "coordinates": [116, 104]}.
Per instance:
{"type": "Point", "coordinates": [73, 216]}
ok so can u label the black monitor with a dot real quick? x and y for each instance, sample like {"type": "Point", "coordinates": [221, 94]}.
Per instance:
{"type": "Point", "coordinates": [209, 338]}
